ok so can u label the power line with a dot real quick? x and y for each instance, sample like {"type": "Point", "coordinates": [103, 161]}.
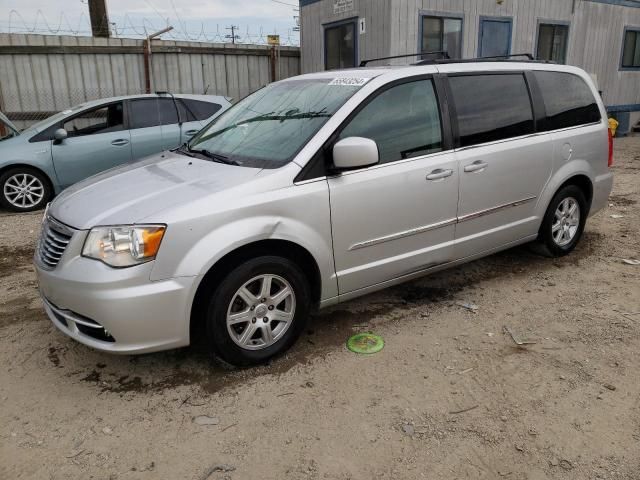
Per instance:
{"type": "Point", "coordinates": [233, 35]}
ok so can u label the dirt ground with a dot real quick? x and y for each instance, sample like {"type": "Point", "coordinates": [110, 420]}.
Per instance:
{"type": "Point", "coordinates": [449, 397]}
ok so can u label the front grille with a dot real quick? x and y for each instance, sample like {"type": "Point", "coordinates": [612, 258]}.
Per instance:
{"type": "Point", "coordinates": [53, 242]}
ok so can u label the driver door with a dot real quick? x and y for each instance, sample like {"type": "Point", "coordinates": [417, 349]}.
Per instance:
{"type": "Point", "coordinates": [398, 217]}
{"type": "Point", "coordinates": [96, 141]}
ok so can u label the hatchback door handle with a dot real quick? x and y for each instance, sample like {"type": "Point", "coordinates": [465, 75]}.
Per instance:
{"type": "Point", "coordinates": [439, 174]}
{"type": "Point", "coordinates": [476, 166]}
{"type": "Point", "coordinates": [191, 132]}
{"type": "Point", "coordinates": [120, 142]}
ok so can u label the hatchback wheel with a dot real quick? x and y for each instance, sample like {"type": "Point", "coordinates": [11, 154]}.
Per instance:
{"type": "Point", "coordinates": [24, 190]}
{"type": "Point", "coordinates": [563, 222]}
{"type": "Point", "coordinates": [258, 310]}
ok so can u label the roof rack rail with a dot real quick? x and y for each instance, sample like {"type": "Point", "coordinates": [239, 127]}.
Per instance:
{"type": "Point", "coordinates": [495, 58]}
{"type": "Point", "coordinates": [444, 55]}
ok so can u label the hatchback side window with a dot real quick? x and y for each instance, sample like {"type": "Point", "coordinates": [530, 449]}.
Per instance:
{"type": "Point", "coordinates": [568, 101]}
{"type": "Point", "coordinates": [104, 119]}
{"type": "Point", "coordinates": [151, 112]}
{"type": "Point", "coordinates": [201, 110]}
{"type": "Point", "coordinates": [404, 121]}
{"type": "Point", "coordinates": [491, 107]}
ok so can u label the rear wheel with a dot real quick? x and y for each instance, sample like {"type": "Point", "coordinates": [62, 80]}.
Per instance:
{"type": "Point", "coordinates": [24, 189]}
{"type": "Point", "coordinates": [258, 310]}
{"type": "Point", "coordinates": [563, 223]}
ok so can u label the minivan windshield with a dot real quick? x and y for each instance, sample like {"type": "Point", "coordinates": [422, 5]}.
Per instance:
{"type": "Point", "coordinates": [269, 127]}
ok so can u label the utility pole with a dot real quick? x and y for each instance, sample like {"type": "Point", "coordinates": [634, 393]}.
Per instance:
{"type": "Point", "coordinates": [233, 35]}
{"type": "Point", "coordinates": [99, 18]}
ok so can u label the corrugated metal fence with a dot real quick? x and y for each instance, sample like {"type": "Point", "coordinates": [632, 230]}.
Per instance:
{"type": "Point", "coordinates": [43, 74]}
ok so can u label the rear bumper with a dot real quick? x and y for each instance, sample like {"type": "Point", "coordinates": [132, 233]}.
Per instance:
{"type": "Point", "coordinates": [602, 186]}
{"type": "Point", "coordinates": [117, 310]}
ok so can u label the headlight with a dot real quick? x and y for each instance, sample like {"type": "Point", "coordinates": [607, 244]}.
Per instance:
{"type": "Point", "coordinates": [123, 245]}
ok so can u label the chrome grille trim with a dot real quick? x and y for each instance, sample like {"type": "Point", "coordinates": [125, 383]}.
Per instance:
{"type": "Point", "coordinates": [54, 239]}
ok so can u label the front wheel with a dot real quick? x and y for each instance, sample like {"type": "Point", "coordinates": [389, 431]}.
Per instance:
{"type": "Point", "coordinates": [23, 189]}
{"type": "Point", "coordinates": [258, 311]}
{"type": "Point", "coordinates": [563, 223]}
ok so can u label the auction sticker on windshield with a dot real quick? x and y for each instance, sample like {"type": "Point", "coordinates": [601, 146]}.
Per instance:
{"type": "Point", "coordinates": [349, 81]}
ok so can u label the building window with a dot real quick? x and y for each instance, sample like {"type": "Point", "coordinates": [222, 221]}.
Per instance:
{"type": "Point", "coordinates": [552, 42]}
{"type": "Point", "coordinates": [631, 49]}
{"type": "Point", "coordinates": [442, 34]}
{"type": "Point", "coordinates": [340, 46]}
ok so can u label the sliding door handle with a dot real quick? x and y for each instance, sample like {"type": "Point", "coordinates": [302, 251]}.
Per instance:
{"type": "Point", "coordinates": [439, 174]}
{"type": "Point", "coordinates": [476, 166]}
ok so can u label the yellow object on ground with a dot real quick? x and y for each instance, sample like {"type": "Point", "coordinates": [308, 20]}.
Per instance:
{"type": "Point", "coordinates": [613, 126]}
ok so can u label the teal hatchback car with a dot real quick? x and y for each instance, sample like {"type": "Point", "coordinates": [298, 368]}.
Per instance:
{"type": "Point", "coordinates": [41, 161]}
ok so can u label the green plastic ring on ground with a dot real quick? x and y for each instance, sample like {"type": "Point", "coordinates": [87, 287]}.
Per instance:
{"type": "Point", "coordinates": [365, 343]}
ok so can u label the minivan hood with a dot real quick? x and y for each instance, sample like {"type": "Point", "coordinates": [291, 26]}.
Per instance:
{"type": "Point", "coordinates": [130, 193]}
{"type": "Point", "coordinates": [9, 124]}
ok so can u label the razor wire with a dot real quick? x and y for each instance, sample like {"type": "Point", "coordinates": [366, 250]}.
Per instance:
{"type": "Point", "coordinates": [127, 27]}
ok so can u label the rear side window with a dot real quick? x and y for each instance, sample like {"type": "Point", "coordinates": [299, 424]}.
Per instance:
{"type": "Point", "coordinates": [151, 112]}
{"type": "Point", "coordinates": [568, 101]}
{"type": "Point", "coordinates": [200, 110]}
{"type": "Point", "coordinates": [404, 121]}
{"type": "Point", "coordinates": [491, 107]}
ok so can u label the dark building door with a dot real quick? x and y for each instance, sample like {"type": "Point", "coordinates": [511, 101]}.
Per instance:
{"type": "Point", "coordinates": [495, 37]}
{"type": "Point", "coordinates": [340, 45]}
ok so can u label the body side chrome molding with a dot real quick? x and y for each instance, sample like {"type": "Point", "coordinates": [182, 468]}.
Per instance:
{"type": "Point", "coordinates": [444, 223]}
{"type": "Point", "coordinates": [482, 213]}
{"type": "Point", "coordinates": [406, 233]}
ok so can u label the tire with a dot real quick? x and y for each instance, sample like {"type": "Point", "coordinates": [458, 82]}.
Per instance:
{"type": "Point", "coordinates": [560, 231]}
{"type": "Point", "coordinates": [246, 340]}
{"type": "Point", "coordinates": [38, 189]}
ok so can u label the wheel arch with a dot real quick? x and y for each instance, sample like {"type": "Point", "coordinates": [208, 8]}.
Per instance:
{"type": "Point", "coordinates": [11, 166]}
{"type": "Point", "coordinates": [216, 273]}
{"type": "Point", "coordinates": [581, 181]}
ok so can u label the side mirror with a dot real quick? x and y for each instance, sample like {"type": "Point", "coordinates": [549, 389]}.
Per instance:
{"type": "Point", "coordinates": [59, 135]}
{"type": "Point", "coordinates": [355, 152]}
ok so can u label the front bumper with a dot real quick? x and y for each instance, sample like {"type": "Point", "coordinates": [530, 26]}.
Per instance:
{"type": "Point", "coordinates": [116, 310]}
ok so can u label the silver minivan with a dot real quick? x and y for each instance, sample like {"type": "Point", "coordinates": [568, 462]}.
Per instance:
{"type": "Point", "coordinates": [318, 189]}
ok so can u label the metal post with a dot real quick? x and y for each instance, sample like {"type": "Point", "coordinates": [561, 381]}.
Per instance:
{"type": "Point", "coordinates": [272, 63]}
{"type": "Point", "coordinates": [99, 18]}
{"type": "Point", "coordinates": [146, 45]}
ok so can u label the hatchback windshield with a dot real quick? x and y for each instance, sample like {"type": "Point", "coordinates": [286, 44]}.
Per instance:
{"type": "Point", "coordinates": [268, 128]}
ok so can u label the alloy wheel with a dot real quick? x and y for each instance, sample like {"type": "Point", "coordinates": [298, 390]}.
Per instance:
{"type": "Point", "coordinates": [566, 221]}
{"type": "Point", "coordinates": [260, 312]}
{"type": "Point", "coordinates": [23, 190]}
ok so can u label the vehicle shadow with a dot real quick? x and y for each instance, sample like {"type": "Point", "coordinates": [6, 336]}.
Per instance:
{"type": "Point", "coordinates": [327, 332]}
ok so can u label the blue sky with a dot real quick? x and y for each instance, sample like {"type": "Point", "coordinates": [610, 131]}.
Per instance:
{"type": "Point", "coordinates": [196, 20]}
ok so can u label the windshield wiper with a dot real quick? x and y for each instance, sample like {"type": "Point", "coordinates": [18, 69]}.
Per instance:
{"type": "Point", "coordinates": [216, 157]}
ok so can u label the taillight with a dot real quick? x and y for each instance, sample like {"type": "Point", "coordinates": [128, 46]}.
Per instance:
{"type": "Point", "coordinates": [610, 161]}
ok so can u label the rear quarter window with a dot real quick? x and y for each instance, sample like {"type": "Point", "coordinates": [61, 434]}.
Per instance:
{"type": "Point", "coordinates": [568, 101]}
{"type": "Point", "coordinates": [199, 109]}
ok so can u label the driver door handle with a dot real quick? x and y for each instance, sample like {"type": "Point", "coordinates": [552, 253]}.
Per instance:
{"type": "Point", "coordinates": [476, 166]}
{"type": "Point", "coordinates": [191, 132]}
{"type": "Point", "coordinates": [120, 142]}
{"type": "Point", "coordinates": [439, 174]}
